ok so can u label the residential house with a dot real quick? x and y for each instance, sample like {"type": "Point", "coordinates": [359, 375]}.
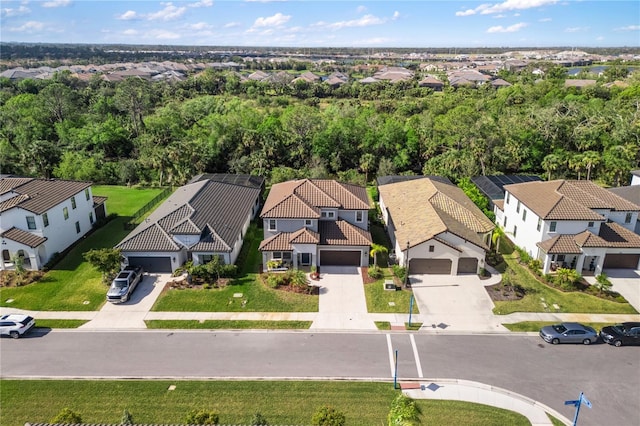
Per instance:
{"type": "Point", "coordinates": [573, 224]}
{"type": "Point", "coordinates": [630, 193]}
{"type": "Point", "coordinates": [492, 187]}
{"type": "Point", "coordinates": [316, 222]}
{"type": "Point", "coordinates": [635, 177]}
{"type": "Point", "coordinates": [207, 217]}
{"type": "Point", "coordinates": [42, 217]}
{"type": "Point", "coordinates": [433, 226]}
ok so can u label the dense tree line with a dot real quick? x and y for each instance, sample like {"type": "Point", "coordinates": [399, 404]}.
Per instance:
{"type": "Point", "coordinates": [136, 131]}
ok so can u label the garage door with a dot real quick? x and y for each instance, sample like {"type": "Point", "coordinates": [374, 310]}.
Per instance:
{"type": "Point", "coordinates": [151, 264]}
{"type": "Point", "coordinates": [430, 266]}
{"type": "Point", "coordinates": [339, 258]}
{"type": "Point", "coordinates": [627, 261]}
{"type": "Point", "coordinates": [467, 265]}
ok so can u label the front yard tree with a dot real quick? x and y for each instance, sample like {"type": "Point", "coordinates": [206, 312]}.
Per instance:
{"type": "Point", "coordinates": [105, 260]}
{"type": "Point", "coordinates": [375, 250]}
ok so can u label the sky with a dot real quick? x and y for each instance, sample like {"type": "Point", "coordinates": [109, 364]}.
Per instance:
{"type": "Point", "coordinates": [321, 23]}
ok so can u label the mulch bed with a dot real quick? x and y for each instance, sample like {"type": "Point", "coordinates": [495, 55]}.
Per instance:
{"type": "Point", "coordinates": [364, 271]}
{"type": "Point", "coordinates": [500, 293]}
{"type": "Point", "coordinates": [11, 279]}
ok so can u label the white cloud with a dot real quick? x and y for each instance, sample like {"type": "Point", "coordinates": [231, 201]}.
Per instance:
{"type": "Point", "coordinates": [231, 25]}
{"type": "Point", "coordinates": [396, 15]}
{"type": "Point", "coordinates": [130, 32]}
{"type": "Point", "coordinates": [199, 26]}
{"type": "Point", "coordinates": [129, 15]}
{"type": "Point", "coordinates": [201, 3]}
{"type": "Point", "coordinates": [162, 35]}
{"type": "Point", "coordinates": [510, 29]}
{"type": "Point", "coordinates": [599, 38]}
{"type": "Point", "coordinates": [361, 9]}
{"type": "Point", "coordinates": [507, 5]}
{"type": "Point", "coordinates": [9, 12]}
{"type": "Point", "coordinates": [364, 21]}
{"type": "Point", "coordinates": [628, 28]}
{"type": "Point", "coordinates": [28, 27]}
{"type": "Point", "coordinates": [169, 13]}
{"type": "Point", "coordinates": [545, 20]}
{"type": "Point", "coordinates": [576, 29]}
{"type": "Point", "coordinates": [56, 3]}
{"type": "Point", "coordinates": [500, 16]}
{"type": "Point", "coordinates": [272, 21]}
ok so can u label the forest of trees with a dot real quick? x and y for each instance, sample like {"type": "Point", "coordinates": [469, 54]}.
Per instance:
{"type": "Point", "coordinates": [163, 133]}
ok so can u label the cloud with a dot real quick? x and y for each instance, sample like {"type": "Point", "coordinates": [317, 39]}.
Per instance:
{"type": "Point", "coordinates": [231, 25]}
{"type": "Point", "coordinates": [510, 29]}
{"type": "Point", "coordinates": [545, 20]}
{"type": "Point", "coordinates": [576, 29]}
{"type": "Point", "coordinates": [201, 3]}
{"type": "Point", "coordinates": [9, 12]}
{"type": "Point", "coordinates": [361, 9]}
{"type": "Point", "coordinates": [199, 26]}
{"type": "Point", "coordinates": [500, 16]}
{"type": "Point", "coordinates": [628, 28]}
{"type": "Point", "coordinates": [162, 35]}
{"type": "Point", "coordinates": [507, 5]}
{"type": "Point", "coordinates": [129, 15]}
{"type": "Point", "coordinates": [395, 16]}
{"type": "Point", "coordinates": [169, 13]}
{"type": "Point", "coordinates": [364, 21]}
{"type": "Point", "coordinates": [56, 3]}
{"type": "Point", "coordinates": [272, 21]}
{"type": "Point", "coordinates": [130, 32]}
{"type": "Point", "coordinates": [28, 27]}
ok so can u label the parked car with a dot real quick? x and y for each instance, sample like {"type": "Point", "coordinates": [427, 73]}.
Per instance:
{"type": "Point", "coordinates": [627, 333]}
{"type": "Point", "coordinates": [569, 332]}
{"type": "Point", "coordinates": [15, 325]}
{"type": "Point", "coordinates": [124, 284]}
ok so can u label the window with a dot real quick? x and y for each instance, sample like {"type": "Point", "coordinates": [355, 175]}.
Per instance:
{"type": "Point", "coordinates": [560, 258]}
{"type": "Point", "coordinates": [518, 207]}
{"type": "Point", "coordinates": [552, 226]}
{"type": "Point", "coordinates": [86, 193]}
{"type": "Point", "coordinates": [504, 224]}
{"type": "Point", "coordinates": [515, 230]}
{"type": "Point", "coordinates": [73, 202]}
{"type": "Point", "coordinates": [358, 216]}
{"type": "Point", "coordinates": [45, 219]}
{"type": "Point", "coordinates": [77, 227]}
{"type": "Point", "coordinates": [205, 258]}
{"type": "Point", "coordinates": [305, 258]}
{"type": "Point", "coordinates": [539, 224]}
{"type": "Point", "coordinates": [272, 225]}
{"type": "Point", "coordinates": [329, 215]}
{"type": "Point", "coordinates": [432, 249]}
{"type": "Point", "coordinates": [590, 225]}
{"type": "Point", "coordinates": [91, 217]}
{"type": "Point", "coordinates": [282, 255]}
{"type": "Point", "coordinates": [524, 215]}
{"type": "Point", "coordinates": [508, 197]}
{"type": "Point", "coordinates": [31, 222]}
{"type": "Point", "coordinates": [307, 222]}
{"type": "Point", "coordinates": [627, 218]}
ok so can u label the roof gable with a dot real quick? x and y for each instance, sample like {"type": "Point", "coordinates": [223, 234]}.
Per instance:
{"type": "Point", "coordinates": [40, 195]}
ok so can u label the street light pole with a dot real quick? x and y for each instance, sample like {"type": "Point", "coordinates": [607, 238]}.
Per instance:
{"type": "Point", "coordinates": [406, 268]}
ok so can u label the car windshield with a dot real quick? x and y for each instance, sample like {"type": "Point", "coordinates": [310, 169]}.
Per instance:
{"type": "Point", "coordinates": [559, 328]}
{"type": "Point", "coordinates": [26, 321]}
{"type": "Point", "coordinates": [119, 284]}
{"type": "Point", "coordinates": [619, 328]}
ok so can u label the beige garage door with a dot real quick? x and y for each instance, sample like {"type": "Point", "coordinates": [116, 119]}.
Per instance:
{"type": "Point", "coordinates": [627, 261]}
{"type": "Point", "coordinates": [467, 265]}
{"type": "Point", "coordinates": [430, 266]}
{"type": "Point", "coordinates": [339, 258]}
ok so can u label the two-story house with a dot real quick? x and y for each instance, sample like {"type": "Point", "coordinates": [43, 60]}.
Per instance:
{"type": "Point", "coordinates": [40, 217]}
{"type": "Point", "coordinates": [573, 224]}
{"type": "Point", "coordinates": [316, 222]}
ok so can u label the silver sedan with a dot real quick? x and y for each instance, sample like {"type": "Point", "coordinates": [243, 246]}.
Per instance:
{"type": "Point", "coordinates": [569, 332]}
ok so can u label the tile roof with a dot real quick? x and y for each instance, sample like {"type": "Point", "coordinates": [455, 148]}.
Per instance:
{"type": "Point", "coordinates": [23, 237]}
{"type": "Point", "coordinates": [560, 244]}
{"type": "Point", "coordinates": [304, 198]}
{"type": "Point", "coordinates": [214, 209]}
{"type": "Point", "coordinates": [618, 236]}
{"type": "Point", "coordinates": [423, 208]}
{"type": "Point", "coordinates": [629, 193]}
{"type": "Point", "coordinates": [41, 194]}
{"type": "Point", "coordinates": [97, 200]}
{"type": "Point", "coordinates": [568, 200]}
{"type": "Point", "coordinates": [611, 235]}
{"type": "Point", "coordinates": [342, 233]}
{"type": "Point", "coordinates": [284, 240]}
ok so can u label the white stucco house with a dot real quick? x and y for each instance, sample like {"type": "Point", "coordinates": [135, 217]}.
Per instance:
{"type": "Point", "coordinates": [635, 177]}
{"type": "Point", "coordinates": [208, 217]}
{"type": "Point", "coordinates": [573, 224]}
{"type": "Point", "coordinates": [433, 226]}
{"type": "Point", "coordinates": [42, 217]}
{"type": "Point", "coordinates": [316, 222]}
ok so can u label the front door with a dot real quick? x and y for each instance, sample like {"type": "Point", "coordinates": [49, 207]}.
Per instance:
{"type": "Point", "coordinates": [305, 259]}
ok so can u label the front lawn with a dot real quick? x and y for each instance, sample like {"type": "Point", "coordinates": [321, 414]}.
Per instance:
{"type": "Point", "coordinates": [227, 324]}
{"type": "Point", "coordinates": [538, 293]}
{"type": "Point", "coordinates": [73, 284]}
{"type": "Point", "coordinates": [281, 403]}
{"type": "Point", "coordinates": [384, 301]}
{"type": "Point", "coordinates": [58, 323]}
{"type": "Point", "coordinates": [535, 326]}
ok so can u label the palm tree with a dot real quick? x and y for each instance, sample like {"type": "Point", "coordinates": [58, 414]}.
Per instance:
{"type": "Point", "coordinates": [550, 163]}
{"type": "Point", "coordinates": [590, 159]}
{"type": "Point", "coordinates": [498, 233]}
{"type": "Point", "coordinates": [375, 250]}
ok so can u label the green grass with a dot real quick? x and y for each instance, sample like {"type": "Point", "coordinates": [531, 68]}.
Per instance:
{"type": "Point", "coordinates": [415, 326]}
{"type": "Point", "coordinates": [569, 302]}
{"type": "Point", "coordinates": [291, 402]}
{"type": "Point", "coordinates": [537, 325]}
{"type": "Point", "coordinates": [259, 298]}
{"type": "Point", "coordinates": [383, 325]}
{"type": "Point", "coordinates": [73, 284]}
{"type": "Point", "coordinates": [59, 323]}
{"type": "Point", "coordinates": [227, 324]}
{"type": "Point", "coordinates": [378, 298]}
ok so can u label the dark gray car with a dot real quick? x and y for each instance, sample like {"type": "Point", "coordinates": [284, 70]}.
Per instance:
{"type": "Point", "coordinates": [569, 332]}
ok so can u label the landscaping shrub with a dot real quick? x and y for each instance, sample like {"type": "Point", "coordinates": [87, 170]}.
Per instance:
{"type": "Point", "coordinates": [275, 280]}
{"type": "Point", "coordinates": [258, 420]}
{"type": "Point", "coordinates": [328, 416]}
{"type": "Point", "coordinates": [399, 271]}
{"type": "Point", "coordinates": [375, 272]}
{"type": "Point", "coordinates": [567, 279]}
{"type": "Point", "coordinates": [535, 265]}
{"type": "Point", "coordinates": [404, 411]}
{"type": "Point", "coordinates": [202, 417]}
{"type": "Point", "coordinates": [127, 418]}
{"type": "Point", "coordinates": [67, 416]}
{"type": "Point", "coordinates": [603, 283]}
{"type": "Point", "coordinates": [523, 255]}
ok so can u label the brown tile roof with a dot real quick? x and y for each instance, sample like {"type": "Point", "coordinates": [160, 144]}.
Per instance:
{"type": "Point", "coordinates": [12, 202]}
{"type": "Point", "coordinates": [424, 208]}
{"type": "Point", "coordinates": [618, 236]}
{"type": "Point", "coordinates": [567, 200]}
{"type": "Point", "coordinates": [305, 236]}
{"type": "Point", "coordinates": [97, 200]}
{"type": "Point", "coordinates": [304, 198]}
{"type": "Point", "coordinates": [342, 233]}
{"type": "Point", "coordinates": [560, 244]}
{"type": "Point", "coordinates": [23, 237]}
{"type": "Point", "coordinates": [42, 194]}
{"type": "Point", "coordinates": [611, 235]}
{"type": "Point", "coordinates": [284, 240]}
{"type": "Point", "coordinates": [588, 239]}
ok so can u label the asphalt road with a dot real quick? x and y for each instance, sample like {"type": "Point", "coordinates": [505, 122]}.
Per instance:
{"type": "Point", "coordinates": [609, 377]}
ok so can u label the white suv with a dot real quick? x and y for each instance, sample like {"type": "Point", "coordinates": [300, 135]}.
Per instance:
{"type": "Point", "coordinates": [15, 325]}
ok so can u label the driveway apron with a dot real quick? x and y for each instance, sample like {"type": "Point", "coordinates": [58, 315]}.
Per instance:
{"type": "Point", "coordinates": [342, 304]}
{"type": "Point", "coordinates": [626, 282]}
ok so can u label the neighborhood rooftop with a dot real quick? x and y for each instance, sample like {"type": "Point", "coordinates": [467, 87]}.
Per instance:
{"type": "Point", "coordinates": [38, 195]}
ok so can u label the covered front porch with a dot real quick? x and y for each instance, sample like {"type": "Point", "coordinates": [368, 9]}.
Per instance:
{"type": "Point", "coordinates": [21, 246]}
{"type": "Point", "coordinates": [283, 260]}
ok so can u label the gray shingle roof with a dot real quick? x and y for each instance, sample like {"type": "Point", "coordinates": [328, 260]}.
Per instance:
{"type": "Point", "coordinates": [41, 194]}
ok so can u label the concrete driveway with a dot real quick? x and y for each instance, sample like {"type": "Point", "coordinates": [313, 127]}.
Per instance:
{"type": "Point", "coordinates": [342, 303]}
{"type": "Point", "coordinates": [626, 282]}
{"type": "Point", "coordinates": [455, 302]}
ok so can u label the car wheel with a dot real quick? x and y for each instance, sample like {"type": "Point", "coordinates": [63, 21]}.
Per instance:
{"type": "Point", "coordinates": [586, 342]}
{"type": "Point", "coordinates": [617, 343]}
{"type": "Point", "coordinates": [14, 334]}
{"type": "Point", "coordinates": [555, 341]}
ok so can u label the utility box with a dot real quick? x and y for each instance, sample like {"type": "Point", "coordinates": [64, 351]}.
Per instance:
{"type": "Point", "coordinates": [389, 285]}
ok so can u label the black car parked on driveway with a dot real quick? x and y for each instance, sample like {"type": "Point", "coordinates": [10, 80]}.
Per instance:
{"type": "Point", "coordinates": [627, 333]}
